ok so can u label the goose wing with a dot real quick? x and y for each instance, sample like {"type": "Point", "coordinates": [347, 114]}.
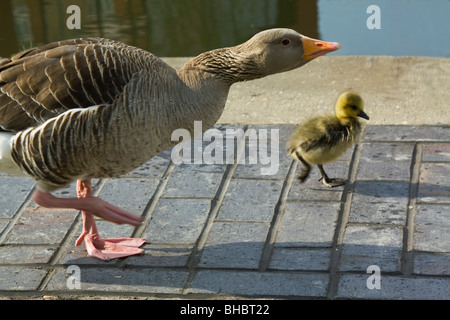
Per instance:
{"type": "Point", "coordinates": [40, 83]}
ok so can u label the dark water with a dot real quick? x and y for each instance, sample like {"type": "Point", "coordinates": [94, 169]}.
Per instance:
{"type": "Point", "coordinates": [189, 27]}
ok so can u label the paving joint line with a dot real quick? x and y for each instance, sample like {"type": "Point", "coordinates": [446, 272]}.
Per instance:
{"type": "Point", "coordinates": [341, 223]}
{"type": "Point", "coordinates": [276, 218]}
{"type": "Point", "coordinates": [152, 203]}
{"type": "Point", "coordinates": [16, 216]}
{"type": "Point", "coordinates": [149, 209]}
{"type": "Point", "coordinates": [216, 203]}
{"type": "Point", "coordinates": [407, 264]}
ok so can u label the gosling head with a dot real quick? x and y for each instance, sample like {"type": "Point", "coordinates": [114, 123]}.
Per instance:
{"type": "Point", "coordinates": [350, 105]}
{"type": "Point", "coordinates": [279, 50]}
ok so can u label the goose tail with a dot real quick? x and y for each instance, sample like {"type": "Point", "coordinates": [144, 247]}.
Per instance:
{"type": "Point", "coordinates": [7, 164]}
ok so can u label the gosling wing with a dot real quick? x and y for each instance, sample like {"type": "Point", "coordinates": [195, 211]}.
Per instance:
{"type": "Point", "coordinates": [326, 136]}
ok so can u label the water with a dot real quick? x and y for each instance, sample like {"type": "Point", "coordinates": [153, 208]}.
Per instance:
{"type": "Point", "coordinates": [189, 27]}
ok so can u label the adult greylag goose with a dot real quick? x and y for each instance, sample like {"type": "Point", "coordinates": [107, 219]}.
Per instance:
{"type": "Point", "coordinates": [97, 108]}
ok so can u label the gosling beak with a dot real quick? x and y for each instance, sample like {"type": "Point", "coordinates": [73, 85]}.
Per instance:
{"type": "Point", "coordinates": [362, 114]}
{"type": "Point", "coordinates": [315, 48]}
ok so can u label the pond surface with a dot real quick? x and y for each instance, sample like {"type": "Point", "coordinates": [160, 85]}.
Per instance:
{"type": "Point", "coordinates": [189, 27]}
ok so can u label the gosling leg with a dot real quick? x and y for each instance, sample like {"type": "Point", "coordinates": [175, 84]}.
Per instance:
{"type": "Point", "coordinates": [306, 169]}
{"type": "Point", "coordinates": [328, 181]}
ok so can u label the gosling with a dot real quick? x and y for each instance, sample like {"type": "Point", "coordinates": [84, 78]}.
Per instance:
{"type": "Point", "coordinates": [324, 139]}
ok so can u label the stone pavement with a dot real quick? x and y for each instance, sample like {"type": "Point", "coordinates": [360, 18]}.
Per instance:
{"type": "Point", "coordinates": [226, 231]}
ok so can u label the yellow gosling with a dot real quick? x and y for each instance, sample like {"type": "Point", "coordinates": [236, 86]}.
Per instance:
{"type": "Point", "coordinates": [324, 139]}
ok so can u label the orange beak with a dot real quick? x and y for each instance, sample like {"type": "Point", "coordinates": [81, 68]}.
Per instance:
{"type": "Point", "coordinates": [315, 48]}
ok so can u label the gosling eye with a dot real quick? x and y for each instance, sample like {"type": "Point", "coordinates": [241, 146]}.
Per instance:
{"type": "Point", "coordinates": [353, 107]}
{"type": "Point", "coordinates": [285, 42]}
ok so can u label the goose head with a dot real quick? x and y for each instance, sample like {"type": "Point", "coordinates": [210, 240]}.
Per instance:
{"type": "Point", "coordinates": [350, 105]}
{"type": "Point", "coordinates": [279, 50]}
{"type": "Point", "coordinates": [268, 52]}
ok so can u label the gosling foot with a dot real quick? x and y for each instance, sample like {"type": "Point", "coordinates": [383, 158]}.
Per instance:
{"type": "Point", "coordinates": [329, 182]}
{"type": "Point", "coordinates": [332, 183]}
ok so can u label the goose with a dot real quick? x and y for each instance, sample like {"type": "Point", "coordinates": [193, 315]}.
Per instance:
{"type": "Point", "coordinates": [325, 138]}
{"type": "Point", "coordinates": [87, 108]}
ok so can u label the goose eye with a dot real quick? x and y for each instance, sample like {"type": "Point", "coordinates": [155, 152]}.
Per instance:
{"type": "Point", "coordinates": [354, 107]}
{"type": "Point", "coordinates": [285, 42]}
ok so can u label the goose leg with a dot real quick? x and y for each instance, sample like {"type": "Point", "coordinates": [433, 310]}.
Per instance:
{"type": "Point", "coordinates": [328, 181]}
{"type": "Point", "coordinates": [104, 249]}
{"type": "Point", "coordinates": [97, 206]}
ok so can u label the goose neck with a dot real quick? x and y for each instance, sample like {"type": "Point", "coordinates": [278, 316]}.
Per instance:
{"type": "Point", "coordinates": [225, 65]}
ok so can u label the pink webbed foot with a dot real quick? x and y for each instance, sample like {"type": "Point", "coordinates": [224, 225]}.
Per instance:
{"type": "Point", "coordinates": [108, 249]}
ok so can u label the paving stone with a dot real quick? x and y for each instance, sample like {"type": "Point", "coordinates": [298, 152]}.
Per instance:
{"type": "Point", "coordinates": [313, 189]}
{"type": "Point", "coordinates": [276, 136]}
{"type": "Point", "coordinates": [379, 202]}
{"type": "Point", "coordinates": [217, 146]}
{"type": "Point", "coordinates": [431, 263]}
{"type": "Point", "coordinates": [25, 254]}
{"type": "Point", "coordinates": [300, 259]}
{"type": "Point", "coordinates": [233, 137]}
{"type": "Point", "coordinates": [264, 156]}
{"type": "Point", "coordinates": [184, 229]}
{"type": "Point", "coordinates": [437, 152]}
{"type": "Point", "coordinates": [177, 221]}
{"type": "Point", "coordinates": [69, 191]}
{"type": "Point", "coordinates": [129, 194]}
{"type": "Point", "coordinates": [275, 168]}
{"type": "Point", "coordinates": [386, 151]}
{"type": "Point", "coordinates": [250, 200]}
{"type": "Point", "coordinates": [366, 245]}
{"type": "Point", "coordinates": [434, 185]}
{"type": "Point", "coordinates": [299, 264]}
{"type": "Point", "coordinates": [111, 230]}
{"type": "Point", "coordinates": [307, 225]}
{"type": "Point", "coordinates": [385, 161]}
{"type": "Point", "coordinates": [41, 226]}
{"type": "Point", "coordinates": [13, 192]}
{"type": "Point", "coordinates": [119, 280]}
{"type": "Point", "coordinates": [154, 168]}
{"type": "Point", "coordinates": [161, 256]}
{"type": "Point", "coordinates": [194, 181]}
{"type": "Point", "coordinates": [234, 245]}
{"type": "Point", "coordinates": [260, 283]}
{"type": "Point", "coordinates": [21, 278]}
{"type": "Point", "coordinates": [406, 133]}
{"type": "Point", "coordinates": [432, 228]}
{"type": "Point", "coordinates": [284, 131]}
{"type": "Point", "coordinates": [353, 286]}
{"type": "Point", "coordinates": [380, 170]}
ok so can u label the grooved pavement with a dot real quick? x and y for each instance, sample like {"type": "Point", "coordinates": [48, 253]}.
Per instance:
{"type": "Point", "coordinates": [226, 230]}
